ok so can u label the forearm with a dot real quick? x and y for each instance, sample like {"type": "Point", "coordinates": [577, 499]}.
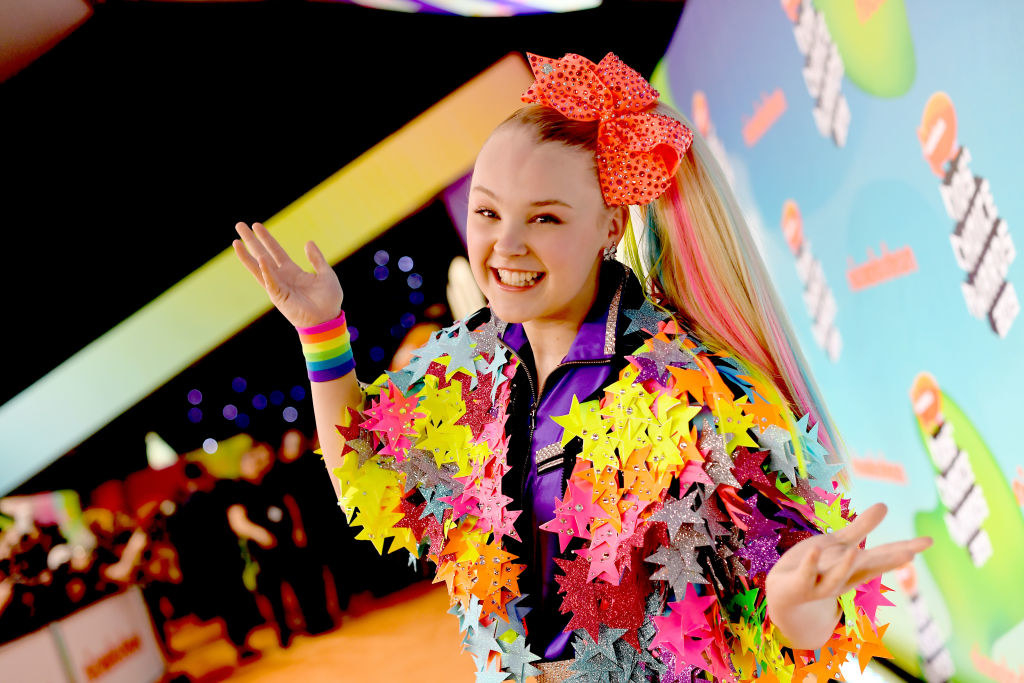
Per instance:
{"type": "Point", "coordinates": [805, 625]}
{"type": "Point", "coordinates": [331, 401]}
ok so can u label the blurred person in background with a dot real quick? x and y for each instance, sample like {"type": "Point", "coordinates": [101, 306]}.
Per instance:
{"type": "Point", "coordinates": [268, 518]}
{"type": "Point", "coordinates": [211, 562]}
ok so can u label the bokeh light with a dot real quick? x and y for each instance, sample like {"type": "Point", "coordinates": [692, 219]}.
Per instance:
{"type": "Point", "coordinates": [195, 414]}
{"type": "Point", "coordinates": [377, 354]}
{"type": "Point", "coordinates": [210, 445]}
{"type": "Point", "coordinates": [381, 257]}
{"type": "Point", "coordinates": [298, 393]}
{"type": "Point", "coordinates": [230, 412]}
{"type": "Point", "coordinates": [415, 281]}
{"type": "Point", "coordinates": [353, 333]}
{"type": "Point", "coordinates": [195, 397]}
{"type": "Point", "coordinates": [276, 397]}
{"type": "Point", "coordinates": [290, 414]}
{"type": "Point", "coordinates": [381, 272]}
{"type": "Point", "coordinates": [242, 420]}
{"type": "Point", "coordinates": [238, 384]}
{"type": "Point", "coordinates": [405, 264]}
{"type": "Point", "coordinates": [259, 401]}
{"type": "Point", "coordinates": [416, 298]}
{"type": "Point", "coordinates": [408, 320]}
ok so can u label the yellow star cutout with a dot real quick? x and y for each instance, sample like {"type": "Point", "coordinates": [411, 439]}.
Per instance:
{"type": "Point", "coordinates": [731, 420]}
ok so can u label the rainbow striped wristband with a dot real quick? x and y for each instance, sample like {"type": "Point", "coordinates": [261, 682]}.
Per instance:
{"type": "Point", "coordinates": [327, 349]}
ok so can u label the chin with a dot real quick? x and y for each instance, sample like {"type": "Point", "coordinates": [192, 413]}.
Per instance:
{"type": "Point", "coordinates": [511, 314]}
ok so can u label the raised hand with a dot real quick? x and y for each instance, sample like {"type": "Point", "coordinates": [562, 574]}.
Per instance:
{"type": "Point", "coordinates": [817, 570]}
{"type": "Point", "coordinates": [304, 298]}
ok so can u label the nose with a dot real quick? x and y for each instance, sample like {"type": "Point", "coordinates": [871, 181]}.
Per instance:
{"type": "Point", "coordinates": [510, 241]}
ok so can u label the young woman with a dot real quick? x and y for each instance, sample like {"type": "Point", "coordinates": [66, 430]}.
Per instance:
{"type": "Point", "coordinates": [643, 470]}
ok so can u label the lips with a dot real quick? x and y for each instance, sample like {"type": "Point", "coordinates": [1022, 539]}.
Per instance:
{"type": "Point", "coordinates": [516, 280]}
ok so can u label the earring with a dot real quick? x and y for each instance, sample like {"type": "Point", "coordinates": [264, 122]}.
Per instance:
{"type": "Point", "coordinates": [608, 253]}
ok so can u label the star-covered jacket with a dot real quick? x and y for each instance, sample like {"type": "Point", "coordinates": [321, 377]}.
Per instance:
{"type": "Point", "coordinates": [632, 510]}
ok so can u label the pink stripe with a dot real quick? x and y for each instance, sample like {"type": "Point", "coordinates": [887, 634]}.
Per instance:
{"type": "Point", "coordinates": [324, 326]}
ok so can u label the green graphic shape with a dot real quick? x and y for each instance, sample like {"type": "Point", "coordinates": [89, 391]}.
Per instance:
{"type": "Point", "coordinates": [984, 602]}
{"type": "Point", "coordinates": [878, 55]}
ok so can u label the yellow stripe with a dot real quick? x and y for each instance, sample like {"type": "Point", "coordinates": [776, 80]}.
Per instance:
{"type": "Point", "coordinates": [328, 345]}
{"type": "Point", "coordinates": [196, 315]}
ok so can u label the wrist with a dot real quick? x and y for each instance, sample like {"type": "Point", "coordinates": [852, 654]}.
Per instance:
{"type": "Point", "coordinates": [327, 349]}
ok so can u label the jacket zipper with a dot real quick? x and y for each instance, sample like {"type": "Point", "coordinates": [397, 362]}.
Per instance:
{"type": "Point", "coordinates": [536, 404]}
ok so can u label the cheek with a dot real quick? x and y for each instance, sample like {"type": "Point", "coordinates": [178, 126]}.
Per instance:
{"type": "Point", "coordinates": [477, 249]}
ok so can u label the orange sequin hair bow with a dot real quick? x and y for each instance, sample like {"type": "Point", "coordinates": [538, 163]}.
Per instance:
{"type": "Point", "coordinates": [638, 151]}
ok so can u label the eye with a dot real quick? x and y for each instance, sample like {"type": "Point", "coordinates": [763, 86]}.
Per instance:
{"type": "Point", "coordinates": [551, 218]}
{"type": "Point", "coordinates": [486, 213]}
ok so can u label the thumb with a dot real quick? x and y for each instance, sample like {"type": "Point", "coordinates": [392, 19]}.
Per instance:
{"type": "Point", "coordinates": [316, 258]}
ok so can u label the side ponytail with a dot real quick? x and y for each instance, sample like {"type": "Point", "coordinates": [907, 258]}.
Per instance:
{"type": "Point", "coordinates": [703, 266]}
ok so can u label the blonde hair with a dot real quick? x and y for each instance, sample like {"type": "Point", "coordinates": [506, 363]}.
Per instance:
{"type": "Point", "coordinates": [703, 267]}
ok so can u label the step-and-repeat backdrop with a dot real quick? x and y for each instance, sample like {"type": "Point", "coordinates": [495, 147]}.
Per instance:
{"type": "Point", "coordinates": [875, 147]}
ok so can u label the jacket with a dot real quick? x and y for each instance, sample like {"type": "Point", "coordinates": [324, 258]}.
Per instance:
{"type": "Point", "coordinates": [649, 469]}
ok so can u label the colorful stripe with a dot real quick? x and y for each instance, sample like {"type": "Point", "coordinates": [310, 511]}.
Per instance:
{"type": "Point", "coordinates": [327, 348]}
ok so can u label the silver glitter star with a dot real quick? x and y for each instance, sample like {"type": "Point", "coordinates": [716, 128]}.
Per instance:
{"type": "Point", "coordinates": [678, 512]}
{"type": "Point", "coordinates": [667, 353]}
{"type": "Point", "coordinates": [595, 661]}
{"type": "Point", "coordinates": [421, 470]}
{"type": "Point", "coordinates": [717, 462]}
{"type": "Point", "coordinates": [646, 317]}
{"type": "Point", "coordinates": [485, 337]}
{"type": "Point", "coordinates": [362, 447]}
{"type": "Point", "coordinates": [713, 516]}
{"type": "Point", "coordinates": [679, 563]}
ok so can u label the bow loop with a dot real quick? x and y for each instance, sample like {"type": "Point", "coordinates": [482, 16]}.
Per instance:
{"type": "Point", "coordinates": [630, 91]}
{"type": "Point", "coordinates": [570, 85]}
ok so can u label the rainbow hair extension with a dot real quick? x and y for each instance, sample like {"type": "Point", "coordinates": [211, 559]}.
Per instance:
{"type": "Point", "coordinates": [703, 267]}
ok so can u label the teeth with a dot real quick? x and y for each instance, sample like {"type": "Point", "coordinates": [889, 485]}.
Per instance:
{"type": "Point", "coordinates": [518, 278]}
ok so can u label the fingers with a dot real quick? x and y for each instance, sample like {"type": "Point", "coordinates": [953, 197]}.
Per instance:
{"type": "Point", "coordinates": [270, 281]}
{"type": "Point", "coordinates": [273, 247]}
{"type": "Point", "coordinates": [809, 566]}
{"type": "Point", "coordinates": [838, 574]}
{"type": "Point", "coordinates": [889, 556]}
{"type": "Point", "coordinates": [252, 242]}
{"type": "Point", "coordinates": [857, 530]}
{"type": "Point", "coordinates": [316, 258]}
{"type": "Point", "coordinates": [247, 260]}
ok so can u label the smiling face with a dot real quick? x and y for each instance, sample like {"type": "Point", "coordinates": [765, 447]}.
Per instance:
{"type": "Point", "coordinates": [537, 225]}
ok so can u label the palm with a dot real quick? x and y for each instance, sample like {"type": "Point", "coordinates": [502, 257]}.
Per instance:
{"type": "Point", "coordinates": [828, 565]}
{"type": "Point", "coordinates": [304, 298]}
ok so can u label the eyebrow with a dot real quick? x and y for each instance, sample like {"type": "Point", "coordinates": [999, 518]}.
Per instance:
{"type": "Point", "coordinates": [543, 202]}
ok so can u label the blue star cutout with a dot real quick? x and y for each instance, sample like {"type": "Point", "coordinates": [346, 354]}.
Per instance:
{"type": "Point", "coordinates": [401, 379]}
{"type": "Point", "coordinates": [517, 613]}
{"type": "Point", "coordinates": [516, 658]}
{"type": "Point", "coordinates": [460, 353]}
{"type": "Point", "coordinates": [480, 642]}
{"type": "Point", "coordinates": [435, 506]}
{"type": "Point", "coordinates": [467, 617]}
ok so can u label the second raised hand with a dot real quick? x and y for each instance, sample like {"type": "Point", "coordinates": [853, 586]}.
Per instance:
{"type": "Point", "coordinates": [304, 298]}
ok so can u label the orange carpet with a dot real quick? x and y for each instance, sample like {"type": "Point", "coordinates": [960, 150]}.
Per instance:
{"type": "Point", "coordinates": [406, 636]}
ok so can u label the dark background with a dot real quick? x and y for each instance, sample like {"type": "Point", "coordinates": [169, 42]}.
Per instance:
{"type": "Point", "coordinates": [136, 143]}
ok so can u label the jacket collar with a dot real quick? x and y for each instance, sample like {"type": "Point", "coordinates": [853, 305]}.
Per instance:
{"type": "Point", "coordinates": [595, 340]}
